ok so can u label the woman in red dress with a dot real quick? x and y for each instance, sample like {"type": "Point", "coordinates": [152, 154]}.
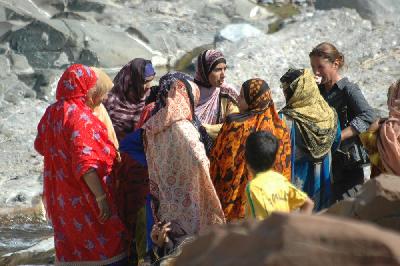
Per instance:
{"type": "Point", "coordinates": [78, 156]}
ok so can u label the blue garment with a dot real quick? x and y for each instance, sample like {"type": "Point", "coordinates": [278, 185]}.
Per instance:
{"type": "Point", "coordinates": [149, 70]}
{"type": "Point", "coordinates": [132, 144]}
{"type": "Point", "coordinates": [149, 223]}
{"type": "Point", "coordinates": [313, 177]}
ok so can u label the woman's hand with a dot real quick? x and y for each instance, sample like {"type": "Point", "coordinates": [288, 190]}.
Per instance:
{"type": "Point", "coordinates": [348, 132]}
{"type": "Point", "coordinates": [118, 156]}
{"type": "Point", "coordinates": [159, 233]}
{"type": "Point", "coordinates": [93, 181]}
{"type": "Point", "coordinates": [374, 126]}
{"type": "Point", "coordinates": [104, 210]}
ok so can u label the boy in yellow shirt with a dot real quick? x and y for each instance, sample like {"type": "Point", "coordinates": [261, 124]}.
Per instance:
{"type": "Point", "coordinates": [269, 191]}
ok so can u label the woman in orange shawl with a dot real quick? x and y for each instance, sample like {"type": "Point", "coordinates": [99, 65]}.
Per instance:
{"type": "Point", "coordinates": [228, 167]}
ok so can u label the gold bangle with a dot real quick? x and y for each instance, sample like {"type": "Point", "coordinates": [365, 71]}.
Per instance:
{"type": "Point", "coordinates": [100, 198]}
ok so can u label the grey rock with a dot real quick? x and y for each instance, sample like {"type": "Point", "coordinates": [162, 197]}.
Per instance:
{"type": "Point", "coordinates": [14, 90]}
{"type": "Point", "coordinates": [69, 15]}
{"type": "Point", "coordinates": [250, 11]}
{"type": "Point", "coordinates": [95, 45]}
{"type": "Point", "coordinates": [5, 27]}
{"type": "Point", "coordinates": [44, 82]}
{"type": "Point", "coordinates": [236, 32]}
{"type": "Point", "coordinates": [20, 65]}
{"type": "Point", "coordinates": [44, 41]}
{"type": "Point", "coordinates": [5, 66]}
{"type": "Point", "coordinates": [378, 11]}
{"type": "Point", "coordinates": [41, 41]}
{"type": "Point", "coordinates": [40, 253]}
{"type": "Point", "coordinates": [23, 10]}
{"type": "Point", "coordinates": [85, 5]}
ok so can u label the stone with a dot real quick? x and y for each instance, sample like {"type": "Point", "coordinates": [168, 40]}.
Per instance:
{"type": "Point", "coordinates": [5, 27]}
{"type": "Point", "coordinates": [24, 10]}
{"type": "Point", "coordinates": [236, 32]}
{"type": "Point", "coordinates": [20, 65]}
{"type": "Point", "coordinates": [41, 253]}
{"type": "Point", "coordinates": [378, 202]}
{"type": "Point", "coordinates": [5, 66]}
{"type": "Point", "coordinates": [294, 239]}
{"type": "Point", "coordinates": [68, 15]}
{"type": "Point", "coordinates": [14, 90]}
{"type": "Point", "coordinates": [44, 83]}
{"type": "Point", "coordinates": [378, 11]}
{"type": "Point", "coordinates": [41, 41]}
{"type": "Point", "coordinates": [94, 41]}
{"type": "Point", "coordinates": [86, 5]}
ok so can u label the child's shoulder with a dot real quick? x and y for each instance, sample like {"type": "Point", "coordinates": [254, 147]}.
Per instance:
{"type": "Point", "coordinates": [264, 178]}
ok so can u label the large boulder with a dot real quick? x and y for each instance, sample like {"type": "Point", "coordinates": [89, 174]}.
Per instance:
{"type": "Point", "coordinates": [42, 41]}
{"type": "Point", "coordinates": [46, 43]}
{"type": "Point", "coordinates": [378, 11]}
{"type": "Point", "coordinates": [378, 202]}
{"type": "Point", "coordinates": [290, 239]}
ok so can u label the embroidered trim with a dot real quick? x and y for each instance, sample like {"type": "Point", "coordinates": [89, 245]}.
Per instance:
{"type": "Point", "coordinates": [90, 263]}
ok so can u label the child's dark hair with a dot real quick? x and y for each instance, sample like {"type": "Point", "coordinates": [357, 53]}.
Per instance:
{"type": "Point", "coordinates": [261, 148]}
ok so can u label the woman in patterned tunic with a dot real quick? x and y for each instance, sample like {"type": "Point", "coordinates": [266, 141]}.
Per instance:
{"type": "Point", "coordinates": [178, 165]}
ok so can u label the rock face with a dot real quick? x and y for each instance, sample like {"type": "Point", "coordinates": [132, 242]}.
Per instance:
{"type": "Point", "coordinates": [378, 202]}
{"type": "Point", "coordinates": [43, 42]}
{"type": "Point", "coordinates": [378, 11]}
{"type": "Point", "coordinates": [371, 53]}
{"type": "Point", "coordinates": [285, 239]}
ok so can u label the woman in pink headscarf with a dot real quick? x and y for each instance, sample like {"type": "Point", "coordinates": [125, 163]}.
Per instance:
{"type": "Point", "coordinates": [217, 99]}
{"type": "Point", "coordinates": [382, 140]}
{"type": "Point", "coordinates": [178, 166]}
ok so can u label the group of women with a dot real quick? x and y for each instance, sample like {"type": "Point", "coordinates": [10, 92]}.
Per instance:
{"type": "Point", "coordinates": [131, 170]}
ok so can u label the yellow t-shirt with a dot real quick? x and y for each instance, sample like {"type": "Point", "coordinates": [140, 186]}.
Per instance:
{"type": "Point", "coordinates": [270, 191]}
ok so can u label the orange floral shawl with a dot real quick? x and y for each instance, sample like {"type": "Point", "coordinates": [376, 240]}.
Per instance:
{"type": "Point", "coordinates": [228, 167]}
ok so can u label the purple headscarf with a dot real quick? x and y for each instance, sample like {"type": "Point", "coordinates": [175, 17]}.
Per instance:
{"type": "Point", "coordinates": [209, 104]}
{"type": "Point", "coordinates": [126, 100]}
{"type": "Point", "coordinates": [206, 62]}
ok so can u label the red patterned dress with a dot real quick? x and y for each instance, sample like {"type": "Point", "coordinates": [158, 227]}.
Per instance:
{"type": "Point", "coordinates": [72, 141]}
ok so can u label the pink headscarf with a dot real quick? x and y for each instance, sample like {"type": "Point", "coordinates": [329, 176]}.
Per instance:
{"type": "Point", "coordinates": [389, 133]}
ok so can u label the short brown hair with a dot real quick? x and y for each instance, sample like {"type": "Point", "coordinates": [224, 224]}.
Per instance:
{"type": "Point", "coordinates": [328, 51]}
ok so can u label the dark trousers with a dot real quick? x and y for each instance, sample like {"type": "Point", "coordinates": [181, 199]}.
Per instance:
{"type": "Point", "coordinates": [346, 183]}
